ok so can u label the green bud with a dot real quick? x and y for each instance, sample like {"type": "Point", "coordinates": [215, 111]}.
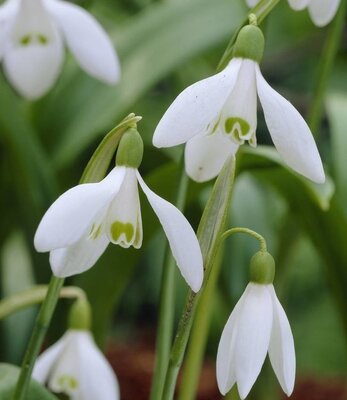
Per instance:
{"type": "Point", "coordinates": [249, 44]}
{"type": "Point", "coordinates": [80, 315]}
{"type": "Point", "coordinates": [262, 268]}
{"type": "Point", "coordinates": [130, 149]}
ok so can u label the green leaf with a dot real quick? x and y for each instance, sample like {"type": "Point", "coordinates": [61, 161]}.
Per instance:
{"type": "Point", "coordinates": [16, 275]}
{"type": "Point", "coordinates": [149, 46]}
{"type": "Point", "coordinates": [8, 379]}
{"type": "Point", "coordinates": [336, 109]}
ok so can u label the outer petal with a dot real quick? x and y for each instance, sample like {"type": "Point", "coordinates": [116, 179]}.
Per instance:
{"type": "Point", "coordinates": [72, 214]}
{"type": "Point", "coordinates": [78, 257]}
{"type": "Point", "coordinates": [196, 107]}
{"type": "Point", "coordinates": [323, 11]}
{"type": "Point", "coordinates": [182, 239]}
{"type": "Point", "coordinates": [83, 363]}
{"type": "Point", "coordinates": [88, 41]}
{"type": "Point", "coordinates": [290, 133]}
{"type": "Point", "coordinates": [205, 155]}
{"type": "Point", "coordinates": [253, 336]}
{"type": "Point", "coordinates": [298, 4]}
{"type": "Point", "coordinates": [7, 12]}
{"type": "Point", "coordinates": [281, 349]}
{"type": "Point", "coordinates": [225, 363]}
{"type": "Point", "coordinates": [33, 52]}
{"type": "Point", "coordinates": [46, 360]}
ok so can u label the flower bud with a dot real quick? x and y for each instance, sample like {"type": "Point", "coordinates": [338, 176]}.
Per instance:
{"type": "Point", "coordinates": [130, 149]}
{"type": "Point", "coordinates": [262, 268]}
{"type": "Point", "coordinates": [249, 44]}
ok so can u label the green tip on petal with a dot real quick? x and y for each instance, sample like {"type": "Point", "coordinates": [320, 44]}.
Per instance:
{"type": "Point", "coordinates": [250, 44]}
{"type": "Point", "coordinates": [80, 315]}
{"type": "Point", "coordinates": [130, 149]}
{"type": "Point", "coordinates": [262, 268]}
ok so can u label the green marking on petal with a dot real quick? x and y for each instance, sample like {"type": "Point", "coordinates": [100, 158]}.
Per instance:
{"type": "Point", "coordinates": [25, 40]}
{"type": "Point", "coordinates": [42, 39]}
{"type": "Point", "coordinates": [233, 123]}
{"type": "Point", "coordinates": [68, 382]}
{"type": "Point", "coordinates": [119, 228]}
{"type": "Point", "coordinates": [95, 232]}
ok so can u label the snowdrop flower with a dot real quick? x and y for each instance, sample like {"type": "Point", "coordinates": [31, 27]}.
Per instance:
{"type": "Point", "coordinates": [81, 223]}
{"type": "Point", "coordinates": [32, 35]}
{"type": "Point", "coordinates": [218, 114]}
{"type": "Point", "coordinates": [76, 367]}
{"type": "Point", "coordinates": [258, 325]}
{"type": "Point", "coordinates": [321, 11]}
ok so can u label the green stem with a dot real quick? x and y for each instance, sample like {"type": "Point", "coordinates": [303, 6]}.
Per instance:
{"type": "Point", "coordinates": [256, 235]}
{"type": "Point", "coordinates": [325, 67]}
{"type": "Point", "coordinates": [167, 303]}
{"type": "Point", "coordinates": [210, 229]}
{"type": "Point", "coordinates": [33, 296]}
{"type": "Point", "coordinates": [42, 322]}
{"type": "Point", "coordinates": [260, 11]}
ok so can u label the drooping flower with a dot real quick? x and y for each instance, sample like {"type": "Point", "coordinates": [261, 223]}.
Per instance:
{"type": "Point", "coordinates": [76, 367]}
{"type": "Point", "coordinates": [32, 35]}
{"type": "Point", "coordinates": [321, 11]}
{"type": "Point", "coordinates": [258, 325]}
{"type": "Point", "coordinates": [81, 223]}
{"type": "Point", "coordinates": [216, 115]}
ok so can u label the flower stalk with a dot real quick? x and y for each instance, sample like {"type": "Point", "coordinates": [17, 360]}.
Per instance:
{"type": "Point", "coordinates": [41, 325]}
{"type": "Point", "coordinates": [210, 229]}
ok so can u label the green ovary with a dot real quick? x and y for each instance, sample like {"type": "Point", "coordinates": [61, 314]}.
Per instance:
{"type": "Point", "coordinates": [119, 228]}
{"type": "Point", "coordinates": [238, 127]}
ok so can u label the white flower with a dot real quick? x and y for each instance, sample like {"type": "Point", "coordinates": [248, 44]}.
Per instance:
{"type": "Point", "coordinates": [81, 223]}
{"type": "Point", "coordinates": [76, 367]}
{"type": "Point", "coordinates": [32, 35]}
{"type": "Point", "coordinates": [257, 325]}
{"type": "Point", "coordinates": [321, 11]}
{"type": "Point", "coordinates": [214, 116]}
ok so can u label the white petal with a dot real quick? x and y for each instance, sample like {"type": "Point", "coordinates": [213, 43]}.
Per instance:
{"type": "Point", "coordinates": [78, 257]}
{"type": "Point", "coordinates": [72, 214]}
{"type": "Point", "coordinates": [45, 361]}
{"type": "Point", "coordinates": [88, 41]}
{"type": "Point", "coordinates": [7, 12]}
{"type": "Point", "coordinates": [281, 348]}
{"type": "Point", "coordinates": [290, 133]}
{"type": "Point", "coordinates": [323, 11]}
{"type": "Point", "coordinates": [299, 4]}
{"type": "Point", "coordinates": [195, 108]}
{"type": "Point", "coordinates": [33, 52]}
{"type": "Point", "coordinates": [225, 363]}
{"type": "Point", "coordinates": [83, 372]}
{"type": "Point", "coordinates": [205, 155]}
{"type": "Point", "coordinates": [123, 219]}
{"type": "Point", "coordinates": [239, 114]}
{"type": "Point", "coordinates": [253, 336]}
{"type": "Point", "coordinates": [182, 239]}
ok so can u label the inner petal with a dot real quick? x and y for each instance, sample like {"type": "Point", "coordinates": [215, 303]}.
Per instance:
{"type": "Point", "coordinates": [239, 114]}
{"type": "Point", "coordinates": [33, 25]}
{"type": "Point", "coordinates": [123, 220]}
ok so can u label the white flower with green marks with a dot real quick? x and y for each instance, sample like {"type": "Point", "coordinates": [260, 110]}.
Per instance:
{"type": "Point", "coordinates": [81, 223]}
{"type": "Point", "coordinates": [321, 11]}
{"type": "Point", "coordinates": [258, 325]}
{"type": "Point", "coordinates": [76, 367]}
{"type": "Point", "coordinates": [32, 36]}
{"type": "Point", "coordinates": [218, 114]}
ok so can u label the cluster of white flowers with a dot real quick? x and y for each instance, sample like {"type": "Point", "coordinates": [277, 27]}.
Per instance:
{"type": "Point", "coordinates": [213, 117]}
